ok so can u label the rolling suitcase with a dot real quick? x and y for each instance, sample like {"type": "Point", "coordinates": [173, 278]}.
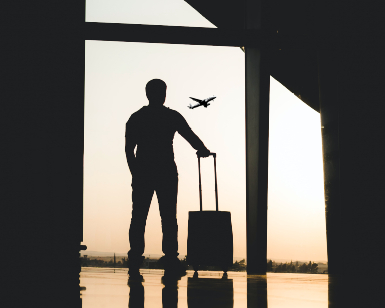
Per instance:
{"type": "Point", "coordinates": [210, 234]}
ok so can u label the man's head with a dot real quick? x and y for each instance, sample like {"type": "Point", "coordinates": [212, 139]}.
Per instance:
{"type": "Point", "coordinates": [156, 92]}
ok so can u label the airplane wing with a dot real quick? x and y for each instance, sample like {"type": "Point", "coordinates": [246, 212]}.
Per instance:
{"type": "Point", "coordinates": [197, 100]}
{"type": "Point", "coordinates": [192, 107]}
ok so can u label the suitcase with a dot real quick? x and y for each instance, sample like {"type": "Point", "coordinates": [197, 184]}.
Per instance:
{"type": "Point", "coordinates": [210, 234]}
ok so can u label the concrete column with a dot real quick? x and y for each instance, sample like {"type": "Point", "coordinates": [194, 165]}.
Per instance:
{"type": "Point", "coordinates": [257, 136]}
{"type": "Point", "coordinates": [328, 97]}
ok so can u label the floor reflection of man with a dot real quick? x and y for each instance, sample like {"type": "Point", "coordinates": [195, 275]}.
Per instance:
{"type": "Point", "coordinates": [170, 293]}
{"type": "Point", "coordinates": [136, 296]}
{"type": "Point", "coordinates": [151, 131]}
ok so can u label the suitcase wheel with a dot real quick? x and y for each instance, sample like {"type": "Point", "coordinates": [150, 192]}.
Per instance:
{"type": "Point", "coordinates": [224, 269]}
{"type": "Point", "coordinates": [195, 268]}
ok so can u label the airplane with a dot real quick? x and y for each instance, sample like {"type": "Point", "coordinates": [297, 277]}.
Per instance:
{"type": "Point", "coordinates": [203, 102]}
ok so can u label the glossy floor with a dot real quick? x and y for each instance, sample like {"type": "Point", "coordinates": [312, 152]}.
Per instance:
{"type": "Point", "coordinates": [109, 288]}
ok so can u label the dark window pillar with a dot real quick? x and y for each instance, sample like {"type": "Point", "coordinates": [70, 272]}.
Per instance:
{"type": "Point", "coordinates": [328, 96]}
{"type": "Point", "coordinates": [257, 138]}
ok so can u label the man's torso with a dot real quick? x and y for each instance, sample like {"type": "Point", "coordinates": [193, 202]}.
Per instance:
{"type": "Point", "coordinates": [153, 130]}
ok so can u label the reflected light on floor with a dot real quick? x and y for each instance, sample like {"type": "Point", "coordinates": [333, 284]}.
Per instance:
{"type": "Point", "coordinates": [103, 287]}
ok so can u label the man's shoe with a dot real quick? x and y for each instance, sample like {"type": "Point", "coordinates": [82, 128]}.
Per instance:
{"type": "Point", "coordinates": [134, 264]}
{"type": "Point", "coordinates": [173, 267]}
{"type": "Point", "coordinates": [135, 276]}
{"type": "Point", "coordinates": [170, 280]}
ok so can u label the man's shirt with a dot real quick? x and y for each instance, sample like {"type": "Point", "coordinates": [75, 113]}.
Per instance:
{"type": "Point", "coordinates": [152, 129]}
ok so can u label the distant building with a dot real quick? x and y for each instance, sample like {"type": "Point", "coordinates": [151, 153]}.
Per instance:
{"type": "Point", "coordinates": [322, 268]}
{"type": "Point", "coordinates": [150, 263]}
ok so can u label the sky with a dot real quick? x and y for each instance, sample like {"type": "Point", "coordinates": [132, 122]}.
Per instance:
{"type": "Point", "coordinates": [115, 77]}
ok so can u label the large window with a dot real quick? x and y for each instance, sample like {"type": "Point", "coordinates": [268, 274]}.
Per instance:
{"type": "Point", "coordinates": [115, 79]}
{"type": "Point", "coordinates": [116, 74]}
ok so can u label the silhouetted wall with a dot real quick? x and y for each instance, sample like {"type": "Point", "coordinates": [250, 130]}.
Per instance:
{"type": "Point", "coordinates": [332, 50]}
{"type": "Point", "coordinates": [353, 143]}
{"type": "Point", "coordinates": [362, 152]}
{"type": "Point", "coordinates": [42, 94]}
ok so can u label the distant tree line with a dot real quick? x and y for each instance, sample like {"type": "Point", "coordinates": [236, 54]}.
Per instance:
{"type": "Point", "coordinates": [86, 261]}
{"type": "Point", "coordinates": [238, 266]}
{"type": "Point", "coordinates": [309, 268]}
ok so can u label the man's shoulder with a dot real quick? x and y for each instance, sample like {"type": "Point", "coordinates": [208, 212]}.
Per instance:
{"type": "Point", "coordinates": [140, 111]}
{"type": "Point", "coordinates": [174, 114]}
{"type": "Point", "coordinates": [137, 114]}
{"type": "Point", "coordinates": [164, 112]}
{"type": "Point", "coordinates": [172, 111]}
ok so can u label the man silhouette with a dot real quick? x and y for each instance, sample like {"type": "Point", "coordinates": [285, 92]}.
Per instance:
{"type": "Point", "coordinates": [151, 129]}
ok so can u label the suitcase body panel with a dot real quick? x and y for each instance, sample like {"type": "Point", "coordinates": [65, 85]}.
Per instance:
{"type": "Point", "coordinates": [210, 239]}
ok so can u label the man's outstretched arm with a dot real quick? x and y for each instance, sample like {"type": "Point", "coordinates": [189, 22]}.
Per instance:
{"type": "Point", "coordinates": [186, 132]}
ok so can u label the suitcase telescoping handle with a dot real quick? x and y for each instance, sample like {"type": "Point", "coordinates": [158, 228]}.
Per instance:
{"type": "Point", "coordinates": [200, 182]}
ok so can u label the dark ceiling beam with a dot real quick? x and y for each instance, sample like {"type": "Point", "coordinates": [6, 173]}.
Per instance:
{"type": "Point", "coordinates": [163, 34]}
{"type": "Point", "coordinates": [192, 36]}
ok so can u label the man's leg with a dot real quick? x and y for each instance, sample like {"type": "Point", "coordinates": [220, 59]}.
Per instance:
{"type": "Point", "coordinates": [167, 191]}
{"type": "Point", "coordinates": [142, 192]}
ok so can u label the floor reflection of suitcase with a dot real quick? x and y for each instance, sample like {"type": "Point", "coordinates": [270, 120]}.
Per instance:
{"type": "Point", "coordinates": [210, 292]}
{"type": "Point", "coordinates": [210, 235]}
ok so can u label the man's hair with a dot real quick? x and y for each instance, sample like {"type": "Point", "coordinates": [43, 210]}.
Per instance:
{"type": "Point", "coordinates": [155, 88]}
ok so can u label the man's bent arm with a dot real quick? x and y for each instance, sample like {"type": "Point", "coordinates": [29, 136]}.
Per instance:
{"type": "Point", "coordinates": [193, 139]}
{"type": "Point", "coordinates": [130, 147]}
{"type": "Point", "coordinates": [186, 132]}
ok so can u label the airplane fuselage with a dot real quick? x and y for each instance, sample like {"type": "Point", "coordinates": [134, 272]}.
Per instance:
{"type": "Point", "coordinates": [204, 102]}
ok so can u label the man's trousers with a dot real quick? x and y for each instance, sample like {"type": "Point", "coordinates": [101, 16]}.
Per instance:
{"type": "Point", "coordinates": [166, 188]}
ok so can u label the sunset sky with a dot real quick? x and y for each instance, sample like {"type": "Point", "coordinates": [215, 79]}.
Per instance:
{"type": "Point", "coordinates": [115, 77]}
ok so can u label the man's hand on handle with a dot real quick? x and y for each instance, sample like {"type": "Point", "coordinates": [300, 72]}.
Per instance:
{"type": "Point", "coordinates": [203, 153]}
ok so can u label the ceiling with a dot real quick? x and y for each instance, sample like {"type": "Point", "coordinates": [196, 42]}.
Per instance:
{"type": "Point", "coordinates": [325, 23]}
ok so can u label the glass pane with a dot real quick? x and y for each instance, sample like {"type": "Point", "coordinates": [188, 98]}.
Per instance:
{"type": "Point", "coordinates": [150, 12]}
{"type": "Point", "coordinates": [115, 77]}
{"type": "Point", "coordinates": [116, 74]}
